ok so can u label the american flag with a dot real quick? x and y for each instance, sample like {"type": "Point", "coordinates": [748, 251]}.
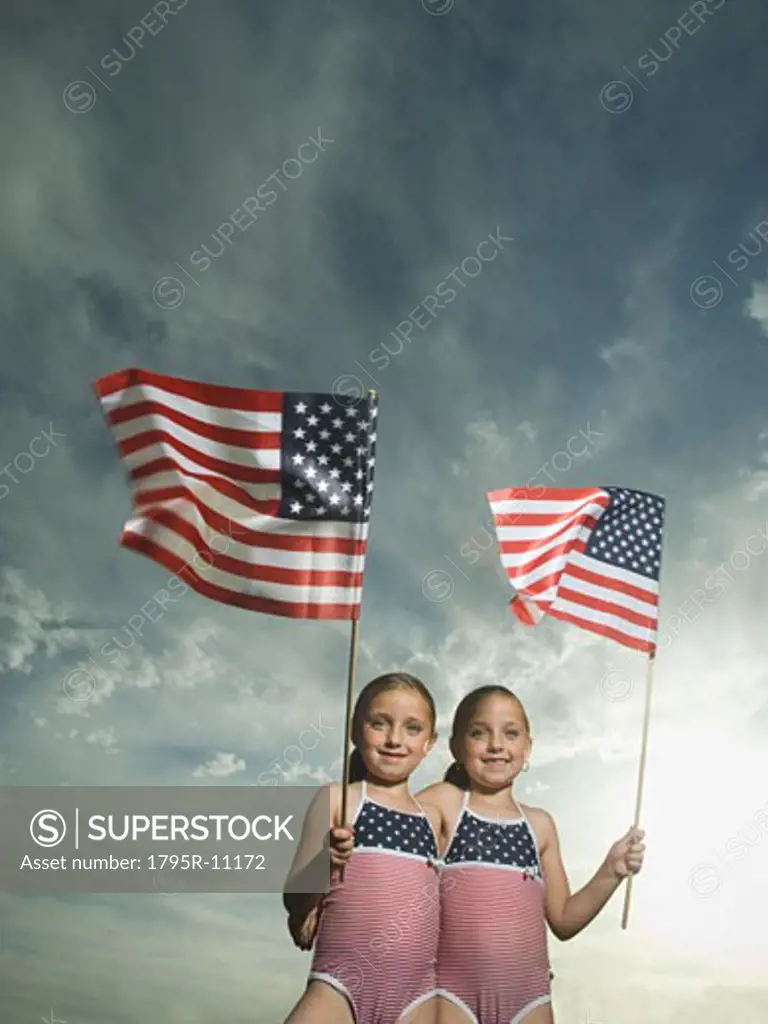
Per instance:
{"type": "Point", "coordinates": [591, 557]}
{"type": "Point", "coordinates": [259, 499]}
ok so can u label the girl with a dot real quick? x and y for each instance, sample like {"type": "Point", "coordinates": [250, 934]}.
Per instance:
{"type": "Point", "coordinates": [377, 928]}
{"type": "Point", "coordinates": [503, 875]}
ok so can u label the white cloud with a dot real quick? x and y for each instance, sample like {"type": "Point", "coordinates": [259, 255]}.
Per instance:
{"type": "Point", "coordinates": [623, 349]}
{"type": "Point", "coordinates": [528, 430]}
{"type": "Point", "coordinates": [755, 479]}
{"type": "Point", "coordinates": [220, 766]}
{"type": "Point", "coordinates": [104, 738]}
{"type": "Point", "coordinates": [756, 305]}
{"type": "Point", "coordinates": [30, 624]}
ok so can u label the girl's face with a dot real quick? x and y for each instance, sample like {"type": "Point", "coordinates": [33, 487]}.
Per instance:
{"type": "Point", "coordinates": [495, 744]}
{"type": "Point", "coordinates": [397, 734]}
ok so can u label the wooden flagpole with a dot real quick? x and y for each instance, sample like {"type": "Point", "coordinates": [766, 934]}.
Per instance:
{"type": "Point", "coordinates": [641, 773]}
{"type": "Point", "coordinates": [350, 699]}
{"type": "Point", "coordinates": [348, 719]}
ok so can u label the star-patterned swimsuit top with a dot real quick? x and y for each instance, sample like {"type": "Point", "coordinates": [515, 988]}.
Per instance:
{"type": "Point", "coordinates": [381, 829]}
{"type": "Point", "coordinates": [494, 842]}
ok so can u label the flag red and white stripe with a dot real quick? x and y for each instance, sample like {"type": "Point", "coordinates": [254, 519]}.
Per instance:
{"type": "Point", "coordinates": [560, 565]}
{"type": "Point", "coordinates": [209, 487]}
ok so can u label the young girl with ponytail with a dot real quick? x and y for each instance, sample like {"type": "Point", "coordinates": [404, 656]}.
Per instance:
{"type": "Point", "coordinates": [502, 878]}
{"type": "Point", "coordinates": [377, 928]}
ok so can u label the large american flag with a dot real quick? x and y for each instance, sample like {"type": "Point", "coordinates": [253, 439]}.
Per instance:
{"type": "Point", "coordinates": [589, 556]}
{"type": "Point", "coordinates": [259, 499]}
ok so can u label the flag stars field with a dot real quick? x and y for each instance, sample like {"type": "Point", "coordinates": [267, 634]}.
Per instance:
{"type": "Point", "coordinates": [324, 465]}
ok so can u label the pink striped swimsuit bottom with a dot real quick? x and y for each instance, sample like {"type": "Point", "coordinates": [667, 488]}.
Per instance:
{"type": "Point", "coordinates": [493, 961]}
{"type": "Point", "coordinates": [378, 933]}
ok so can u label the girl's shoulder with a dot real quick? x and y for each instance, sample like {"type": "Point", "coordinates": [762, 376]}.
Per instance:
{"type": "Point", "coordinates": [541, 821]}
{"type": "Point", "coordinates": [334, 790]}
{"type": "Point", "coordinates": [444, 795]}
{"type": "Point", "coordinates": [536, 813]}
{"type": "Point", "coordinates": [442, 804]}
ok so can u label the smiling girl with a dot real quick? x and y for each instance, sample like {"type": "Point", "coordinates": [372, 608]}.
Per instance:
{"type": "Point", "coordinates": [377, 928]}
{"type": "Point", "coordinates": [503, 878]}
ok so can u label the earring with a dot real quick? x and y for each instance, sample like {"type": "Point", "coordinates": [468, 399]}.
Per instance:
{"type": "Point", "coordinates": [526, 765]}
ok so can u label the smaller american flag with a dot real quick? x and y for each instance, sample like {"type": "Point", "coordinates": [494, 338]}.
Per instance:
{"type": "Point", "coordinates": [259, 499]}
{"type": "Point", "coordinates": [588, 556]}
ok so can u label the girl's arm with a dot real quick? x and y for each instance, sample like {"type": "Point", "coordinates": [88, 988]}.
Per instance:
{"type": "Point", "coordinates": [442, 803]}
{"type": "Point", "coordinates": [568, 914]}
{"type": "Point", "coordinates": [312, 852]}
{"type": "Point", "coordinates": [315, 845]}
{"type": "Point", "coordinates": [436, 820]}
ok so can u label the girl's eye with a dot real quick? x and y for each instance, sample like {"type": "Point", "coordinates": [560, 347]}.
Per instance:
{"type": "Point", "coordinates": [414, 728]}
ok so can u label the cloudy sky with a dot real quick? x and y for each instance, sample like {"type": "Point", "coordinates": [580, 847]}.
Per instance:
{"type": "Point", "coordinates": [619, 336]}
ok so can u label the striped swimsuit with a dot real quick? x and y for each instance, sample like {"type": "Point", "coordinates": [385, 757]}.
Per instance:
{"type": "Point", "coordinates": [378, 932]}
{"type": "Point", "coordinates": [493, 961]}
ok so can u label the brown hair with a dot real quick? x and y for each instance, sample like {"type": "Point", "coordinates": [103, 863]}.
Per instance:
{"type": "Point", "coordinates": [457, 773]}
{"type": "Point", "coordinates": [382, 684]}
